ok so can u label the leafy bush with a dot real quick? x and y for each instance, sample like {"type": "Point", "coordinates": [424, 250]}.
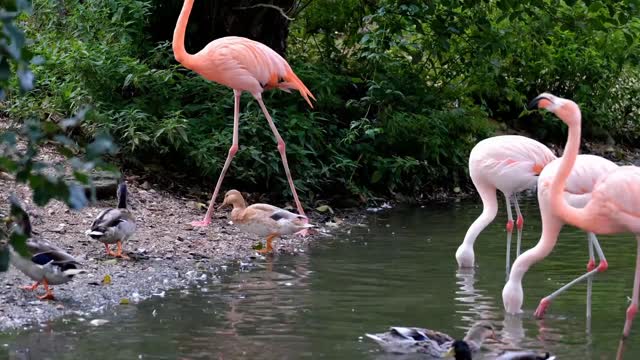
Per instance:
{"type": "Point", "coordinates": [46, 180]}
{"type": "Point", "coordinates": [404, 89]}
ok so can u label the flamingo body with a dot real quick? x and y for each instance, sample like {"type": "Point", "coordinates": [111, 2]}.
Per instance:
{"type": "Point", "coordinates": [244, 65]}
{"type": "Point", "coordinates": [580, 184]}
{"type": "Point", "coordinates": [615, 202]}
{"type": "Point", "coordinates": [509, 163]}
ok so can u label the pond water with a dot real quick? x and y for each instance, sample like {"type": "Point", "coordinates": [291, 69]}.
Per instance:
{"type": "Point", "coordinates": [400, 270]}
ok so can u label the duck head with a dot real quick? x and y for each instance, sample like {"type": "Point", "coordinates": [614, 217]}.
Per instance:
{"type": "Point", "coordinates": [233, 198]}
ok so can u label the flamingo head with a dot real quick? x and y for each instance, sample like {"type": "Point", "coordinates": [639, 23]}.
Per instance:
{"type": "Point", "coordinates": [512, 297]}
{"type": "Point", "coordinates": [465, 256]}
{"type": "Point", "coordinates": [565, 109]}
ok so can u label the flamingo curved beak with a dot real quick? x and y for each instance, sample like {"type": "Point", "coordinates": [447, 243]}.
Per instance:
{"type": "Point", "coordinates": [534, 104]}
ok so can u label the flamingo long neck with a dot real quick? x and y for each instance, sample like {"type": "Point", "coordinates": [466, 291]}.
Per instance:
{"type": "Point", "coordinates": [551, 227]}
{"type": "Point", "coordinates": [559, 204]}
{"type": "Point", "coordinates": [489, 212]}
{"type": "Point", "coordinates": [179, 51]}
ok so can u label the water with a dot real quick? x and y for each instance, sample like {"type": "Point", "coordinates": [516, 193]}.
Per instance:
{"type": "Point", "coordinates": [400, 270]}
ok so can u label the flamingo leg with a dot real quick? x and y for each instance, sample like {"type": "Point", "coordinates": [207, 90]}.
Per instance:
{"type": "Point", "coordinates": [602, 266]}
{"type": "Point", "coordinates": [590, 266]}
{"type": "Point", "coordinates": [509, 232]}
{"type": "Point", "coordinates": [633, 308]}
{"type": "Point", "coordinates": [283, 156]}
{"type": "Point", "coordinates": [519, 224]}
{"type": "Point", "coordinates": [48, 294]}
{"type": "Point", "coordinates": [232, 152]}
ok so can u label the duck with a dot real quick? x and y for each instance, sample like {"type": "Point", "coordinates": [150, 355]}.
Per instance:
{"type": "Point", "coordinates": [114, 226]}
{"type": "Point", "coordinates": [461, 350]}
{"type": "Point", "coordinates": [42, 261]}
{"type": "Point", "coordinates": [406, 340]}
{"type": "Point", "coordinates": [263, 219]}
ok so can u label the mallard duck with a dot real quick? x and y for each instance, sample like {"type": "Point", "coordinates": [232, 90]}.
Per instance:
{"type": "Point", "coordinates": [114, 226]}
{"type": "Point", "coordinates": [263, 219]}
{"type": "Point", "coordinates": [405, 340]}
{"type": "Point", "coordinates": [46, 263]}
{"type": "Point", "coordinates": [460, 350]}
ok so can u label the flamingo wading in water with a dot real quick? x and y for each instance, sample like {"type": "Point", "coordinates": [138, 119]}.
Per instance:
{"type": "Point", "coordinates": [615, 201]}
{"type": "Point", "coordinates": [243, 65]}
{"type": "Point", "coordinates": [588, 169]}
{"type": "Point", "coordinates": [511, 164]}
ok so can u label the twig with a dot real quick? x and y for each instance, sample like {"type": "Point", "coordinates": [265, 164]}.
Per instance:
{"type": "Point", "coordinates": [280, 10]}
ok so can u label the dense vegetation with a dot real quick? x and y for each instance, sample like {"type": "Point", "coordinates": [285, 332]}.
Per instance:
{"type": "Point", "coordinates": [47, 180]}
{"type": "Point", "coordinates": [405, 88]}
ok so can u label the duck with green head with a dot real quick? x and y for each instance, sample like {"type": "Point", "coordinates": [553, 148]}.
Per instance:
{"type": "Point", "coordinates": [461, 350]}
{"type": "Point", "coordinates": [406, 340]}
{"type": "Point", "coordinates": [41, 261]}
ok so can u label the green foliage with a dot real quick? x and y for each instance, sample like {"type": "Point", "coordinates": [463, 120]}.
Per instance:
{"type": "Point", "coordinates": [404, 89]}
{"type": "Point", "coordinates": [20, 148]}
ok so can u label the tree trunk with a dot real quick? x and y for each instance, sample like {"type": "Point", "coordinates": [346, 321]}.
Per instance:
{"type": "Point", "coordinates": [210, 20]}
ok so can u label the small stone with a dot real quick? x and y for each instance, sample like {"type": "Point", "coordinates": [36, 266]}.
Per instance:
{"type": "Point", "coordinates": [98, 322]}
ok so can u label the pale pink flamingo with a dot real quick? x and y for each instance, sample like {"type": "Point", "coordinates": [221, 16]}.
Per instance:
{"type": "Point", "coordinates": [243, 65]}
{"type": "Point", "coordinates": [615, 201]}
{"type": "Point", "coordinates": [511, 164]}
{"type": "Point", "coordinates": [588, 169]}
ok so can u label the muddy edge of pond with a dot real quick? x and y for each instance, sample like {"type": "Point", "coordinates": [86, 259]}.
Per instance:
{"type": "Point", "coordinates": [167, 253]}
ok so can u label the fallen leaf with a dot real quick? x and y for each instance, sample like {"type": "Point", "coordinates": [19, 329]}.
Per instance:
{"type": "Point", "coordinates": [258, 246]}
{"type": "Point", "coordinates": [124, 301]}
{"type": "Point", "coordinates": [325, 208]}
{"type": "Point", "coordinates": [106, 280]}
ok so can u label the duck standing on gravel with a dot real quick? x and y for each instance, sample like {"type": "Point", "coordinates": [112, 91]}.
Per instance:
{"type": "Point", "coordinates": [44, 263]}
{"type": "Point", "coordinates": [114, 226]}
{"type": "Point", "coordinates": [460, 350]}
{"type": "Point", "coordinates": [407, 340]}
{"type": "Point", "coordinates": [263, 219]}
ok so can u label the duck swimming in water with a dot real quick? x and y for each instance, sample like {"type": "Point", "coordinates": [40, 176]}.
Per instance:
{"type": "Point", "coordinates": [406, 340]}
{"type": "Point", "coordinates": [460, 350]}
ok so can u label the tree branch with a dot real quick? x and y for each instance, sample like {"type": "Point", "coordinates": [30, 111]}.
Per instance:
{"type": "Point", "coordinates": [279, 9]}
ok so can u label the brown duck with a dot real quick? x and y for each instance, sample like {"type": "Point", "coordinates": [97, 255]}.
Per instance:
{"type": "Point", "coordinates": [263, 219]}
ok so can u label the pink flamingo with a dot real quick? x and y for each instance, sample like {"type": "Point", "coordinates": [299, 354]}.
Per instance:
{"type": "Point", "coordinates": [243, 65]}
{"type": "Point", "coordinates": [577, 191]}
{"type": "Point", "coordinates": [511, 164]}
{"type": "Point", "coordinates": [615, 201]}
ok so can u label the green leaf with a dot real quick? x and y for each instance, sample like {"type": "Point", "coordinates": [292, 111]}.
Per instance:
{"type": "Point", "coordinates": [377, 175]}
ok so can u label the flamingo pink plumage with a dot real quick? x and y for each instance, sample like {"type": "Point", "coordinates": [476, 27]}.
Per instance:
{"type": "Point", "coordinates": [588, 169]}
{"type": "Point", "coordinates": [243, 65]}
{"type": "Point", "coordinates": [511, 164]}
{"type": "Point", "coordinates": [615, 200]}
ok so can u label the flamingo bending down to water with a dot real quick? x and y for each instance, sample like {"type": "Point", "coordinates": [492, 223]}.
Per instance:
{"type": "Point", "coordinates": [243, 65]}
{"type": "Point", "coordinates": [511, 164]}
{"type": "Point", "coordinates": [615, 201]}
{"type": "Point", "coordinates": [577, 192]}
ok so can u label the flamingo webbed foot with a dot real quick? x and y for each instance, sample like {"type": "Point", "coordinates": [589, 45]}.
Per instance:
{"type": "Point", "coordinates": [542, 308]}
{"type": "Point", "coordinates": [203, 223]}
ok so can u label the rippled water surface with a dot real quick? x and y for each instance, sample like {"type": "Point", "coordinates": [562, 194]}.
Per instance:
{"type": "Point", "coordinates": [399, 270]}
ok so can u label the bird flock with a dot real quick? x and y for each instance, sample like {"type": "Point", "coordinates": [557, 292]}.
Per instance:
{"type": "Point", "coordinates": [585, 191]}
